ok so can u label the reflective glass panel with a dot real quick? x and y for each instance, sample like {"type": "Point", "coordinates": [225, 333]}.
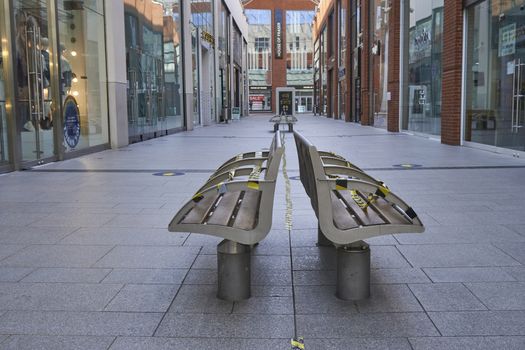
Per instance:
{"type": "Point", "coordinates": [495, 74]}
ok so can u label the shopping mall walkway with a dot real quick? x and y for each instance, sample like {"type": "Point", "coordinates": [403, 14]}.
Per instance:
{"type": "Point", "coordinates": [86, 261]}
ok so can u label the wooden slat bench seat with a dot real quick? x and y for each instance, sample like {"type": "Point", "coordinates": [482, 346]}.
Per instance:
{"type": "Point", "coordinates": [350, 205]}
{"type": "Point", "coordinates": [278, 120]}
{"type": "Point", "coordinates": [236, 203]}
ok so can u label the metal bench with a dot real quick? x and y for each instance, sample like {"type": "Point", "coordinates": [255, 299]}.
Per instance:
{"type": "Point", "coordinates": [289, 120]}
{"type": "Point", "coordinates": [350, 206]}
{"type": "Point", "coordinates": [236, 203]}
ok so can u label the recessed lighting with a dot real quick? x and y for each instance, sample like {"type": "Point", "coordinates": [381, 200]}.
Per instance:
{"type": "Point", "coordinates": [73, 53]}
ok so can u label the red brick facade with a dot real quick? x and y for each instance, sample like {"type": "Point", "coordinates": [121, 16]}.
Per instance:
{"type": "Point", "coordinates": [279, 64]}
{"type": "Point", "coordinates": [452, 64]}
{"type": "Point", "coordinates": [452, 73]}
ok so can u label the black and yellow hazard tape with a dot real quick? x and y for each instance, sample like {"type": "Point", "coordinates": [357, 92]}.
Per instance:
{"type": "Point", "coordinates": [254, 185]}
{"type": "Point", "coordinates": [197, 197]}
{"type": "Point", "coordinates": [358, 200]}
{"type": "Point", "coordinates": [297, 344]}
{"type": "Point", "coordinates": [341, 184]}
{"type": "Point", "coordinates": [411, 213]}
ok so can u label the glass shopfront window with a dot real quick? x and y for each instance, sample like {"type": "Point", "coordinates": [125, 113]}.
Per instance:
{"type": "Point", "coordinates": [324, 71]}
{"type": "Point", "coordinates": [495, 74]}
{"type": "Point", "coordinates": [343, 37]}
{"type": "Point", "coordinates": [224, 62]}
{"type": "Point", "coordinates": [4, 156]}
{"type": "Point", "coordinates": [299, 49]}
{"type": "Point", "coordinates": [259, 57]}
{"type": "Point", "coordinates": [380, 63]}
{"type": "Point", "coordinates": [154, 67]}
{"type": "Point", "coordinates": [83, 72]}
{"type": "Point", "coordinates": [423, 77]}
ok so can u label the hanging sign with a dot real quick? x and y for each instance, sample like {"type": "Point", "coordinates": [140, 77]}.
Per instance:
{"type": "Point", "coordinates": [507, 40]}
{"type": "Point", "coordinates": [278, 33]}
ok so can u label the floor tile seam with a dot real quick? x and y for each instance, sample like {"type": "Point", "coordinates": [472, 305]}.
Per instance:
{"type": "Point", "coordinates": [93, 265]}
{"type": "Point", "coordinates": [425, 311]}
{"type": "Point", "coordinates": [505, 253]}
{"type": "Point", "coordinates": [16, 251]}
{"type": "Point", "coordinates": [122, 286]}
{"type": "Point", "coordinates": [77, 229]}
{"type": "Point", "coordinates": [509, 226]}
{"type": "Point", "coordinates": [294, 303]}
{"type": "Point", "coordinates": [176, 293]}
{"type": "Point", "coordinates": [403, 255]}
{"type": "Point", "coordinates": [112, 342]}
{"type": "Point", "coordinates": [479, 299]}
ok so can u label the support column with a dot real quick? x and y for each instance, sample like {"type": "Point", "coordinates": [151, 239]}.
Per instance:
{"type": "Point", "coordinates": [366, 88]}
{"type": "Point", "coordinates": [187, 65]}
{"type": "Point", "coordinates": [117, 75]}
{"type": "Point", "coordinates": [353, 271]}
{"type": "Point", "coordinates": [394, 28]}
{"type": "Point", "coordinates": [452, 73]}
{"type": "Point", "coordinates": [234, 271]}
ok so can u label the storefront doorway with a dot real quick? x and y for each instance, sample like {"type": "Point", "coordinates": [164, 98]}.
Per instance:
{"type": "Point", "coordinates": [495, 74]}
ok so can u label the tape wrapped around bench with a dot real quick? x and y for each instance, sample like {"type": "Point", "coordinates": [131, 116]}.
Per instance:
{"type": "Point", "coordinates": [350, 204]}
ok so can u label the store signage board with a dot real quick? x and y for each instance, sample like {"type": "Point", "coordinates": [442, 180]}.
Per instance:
{"type": "Point", "coordinates": [278, 33]}
{"type": "Point", "coordinates": [285, 101]}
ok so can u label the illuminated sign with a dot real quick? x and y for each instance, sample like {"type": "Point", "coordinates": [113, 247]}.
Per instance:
{"type": "Point", "coordinates": [278, 34]}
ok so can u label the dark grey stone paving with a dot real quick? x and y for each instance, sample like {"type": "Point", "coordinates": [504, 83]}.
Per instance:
{"type": "Point", "coordinates": [106, 273]}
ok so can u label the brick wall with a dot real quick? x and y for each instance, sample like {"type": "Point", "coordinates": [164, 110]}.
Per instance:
{"type": "Point", "coordinates": [452, 73]}
{"type": "Point", "coordinates": [393, 65]}
{"type": "Point", "coordinates": [279, 64]}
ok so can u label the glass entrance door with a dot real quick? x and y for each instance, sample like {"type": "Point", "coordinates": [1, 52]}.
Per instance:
{"type": "Point", "coordinates": [32, 76]}
{"type": "Point", "coordinates": [495, 99]}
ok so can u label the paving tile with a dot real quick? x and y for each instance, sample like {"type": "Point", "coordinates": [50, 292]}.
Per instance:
{"type": "Point", "coordinates": [146, 276]}
{"type": "Point", "coordinates": [21, 218]}
{"type": "Point", "coordinates": [18, 342]}
{"type": "Point", "coordinates": [67, 275]}
{"type": "Point", "coordinates": [144, 221]}
{"type": "Point", "coordinates": [56, 296]}
{"type": "Point", "coordinates": [79, 323]}
{"type": "Point", "coordinates": [500, 296]}
{"type": "Point", "coordinates": [320, 300]}
{"type": "Point", "coordinates": [448, 234]}
{"type": "Point", "coordinates": [81, 219]}
{"type": "Point", "coordinates": [389, 298]}
{"type": "Point", "coordinates": [383, 325]}
{"type": "Point", "coordinates": [149, 257]}
{"type": "Point", "coordinates": [271, 291]}
{"type": "Point", "coordinates": [7, 250]}
{"type": "Point", "coordinates": [517, 272]}
{"type": "Point", "coordinates": [124, 236]}
{"type": "Point", "coordinates": [143, 298]}
{"type": "Point", "coordinates": [226, 326]}
{"type": "Point", "coordinates": [56, 256]}
{"type": "Point", "coordinates": [200, 299]}
{"type": "Point", "coordinates": [33, 235]}
{"type": "Point", "coordinates": [162, 343]}
{"type": "Point", "coordinates": [479, 323]}
{"type": "Point", "coordinates": [455, 255]}
{"type": "Point", "coordinates": [358, 344]}
{"type": "Point", "coordinates": [516, 250]}
{"type": "Point", "coordinates": [265, 305]}
{"type": "Point", "coordinates": [315, 278]}
{"type": "Point", "coordinates": [468, 274]}
{"type": "Point", "coordinates": [14, 274]}
{"type": "Point", "coordinates": [399, 275]}
{"type": "Point", "coordinates": [446, 297]}
{"type": "Point", "coordinates": [461, 343]}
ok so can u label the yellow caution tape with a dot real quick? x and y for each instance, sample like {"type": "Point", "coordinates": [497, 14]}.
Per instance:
{"type": "Point", "coordinates": [358, 200]}
{"type": "Point", "coordinates": [254, 185]}
{"type": "Point", "coordinates": [197, 197]}
{"type": "Point", "coordinates": [297, 344]}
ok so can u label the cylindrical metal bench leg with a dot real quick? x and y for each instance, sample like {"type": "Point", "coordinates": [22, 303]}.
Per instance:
{"type": "Point", "coordinates": [322, 241]}
{"type": "Point", "coordinates": [234, 271]}
{"type": "Point", "coordinates": [353, 271]}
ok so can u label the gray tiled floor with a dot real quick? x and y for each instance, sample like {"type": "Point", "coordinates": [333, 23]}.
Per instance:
{"type": "Point", "coordinates": [106, 274]}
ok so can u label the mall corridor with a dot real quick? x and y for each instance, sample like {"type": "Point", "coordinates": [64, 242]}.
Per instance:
{"type": "Point", "coordinates": [87, 262]}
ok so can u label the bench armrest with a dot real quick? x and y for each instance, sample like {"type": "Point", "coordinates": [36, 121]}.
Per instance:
{"type": "Point", "coordinates": [334, 170]}
{"type": "Point", "coordinates": [373, 188]}
{"type": "Point", "coordinates": [230, 175]}
{"type": "Point", "coordinates": [256, 161]}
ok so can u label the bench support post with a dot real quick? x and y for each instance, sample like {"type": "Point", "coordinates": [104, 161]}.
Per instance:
{"type": "Point", "coordinates": [234, 271]}
{"type": "Point", "coordinates": [353, 271]}
{"type": "Point", "coordinates": [322, 241]}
